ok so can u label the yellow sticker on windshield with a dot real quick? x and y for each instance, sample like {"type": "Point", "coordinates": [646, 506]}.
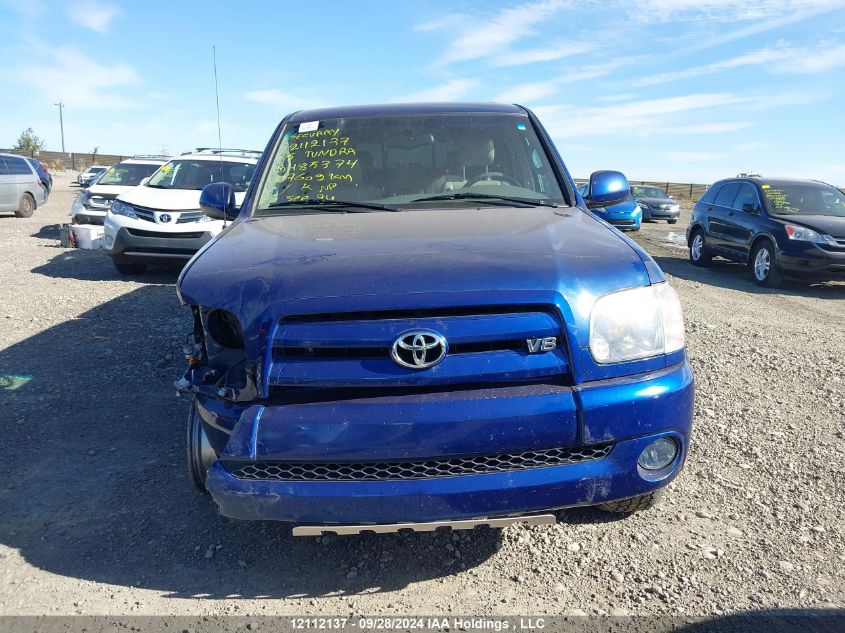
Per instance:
{"type": "Point", "coordinates": [765, 186]}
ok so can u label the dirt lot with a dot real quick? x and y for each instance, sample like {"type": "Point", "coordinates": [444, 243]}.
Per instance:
{"type": "Point", "coordinates": [97, 514]}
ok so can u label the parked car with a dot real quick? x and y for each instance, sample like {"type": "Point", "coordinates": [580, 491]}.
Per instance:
{"type": "Point", "coordinates": [85, 177]}
{"type": "Point", "coordinates": [656, 203]}
{"type": "Point", "coordinates": [43, 173]}
{"type": "Point", "coordinates": [161, 221]}
{"type": "Point", "coordinates": [21, 189]}
{"type": "Point", "coordinates": [778, 227]}
{"type": "Point", "coordinates": [625, 214]}
{"type": "Point", "coordinates": [92, 203]}
{"type": "Point", "coordinates": [413, 321]}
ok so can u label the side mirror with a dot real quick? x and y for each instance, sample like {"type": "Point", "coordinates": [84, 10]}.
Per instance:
{"type": "Point", "coordinates": [607, 187]}
{"type": "Point", "coordinates": [750, 207]}
{"type": "Point", "coordinates": [144, 181]}
{"type": "Point", "coordinates": [217, 201]}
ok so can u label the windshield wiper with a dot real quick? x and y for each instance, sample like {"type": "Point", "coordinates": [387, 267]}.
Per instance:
{"type": "Point", "coordinates": [339, 206]}
{"type": "Point", "coordinates": [528, 202]}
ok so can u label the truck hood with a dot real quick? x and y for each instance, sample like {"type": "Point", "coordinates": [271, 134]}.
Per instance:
{"type": "Point", "coordinates": [265, 268]}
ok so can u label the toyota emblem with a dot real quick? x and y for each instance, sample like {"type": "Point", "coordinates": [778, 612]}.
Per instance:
{"type": "Point", "coordinates": [419, 349]}
{"type": "Point", "coordinates": [164, 217]}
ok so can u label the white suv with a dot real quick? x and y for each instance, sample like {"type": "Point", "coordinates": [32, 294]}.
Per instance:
{"type": "Point", "coordinates": [161, 220]}
{"type": "Point", "coordinates": [91, 204]}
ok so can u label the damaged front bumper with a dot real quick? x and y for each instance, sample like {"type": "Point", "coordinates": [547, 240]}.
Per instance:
{"type": "Point", "coordinates": [390, 432]}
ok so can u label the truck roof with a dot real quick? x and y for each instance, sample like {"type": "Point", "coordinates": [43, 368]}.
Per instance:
{"type": "Point", "coordinates": [388, 109]}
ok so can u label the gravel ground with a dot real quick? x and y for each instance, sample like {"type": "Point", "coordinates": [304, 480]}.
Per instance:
{"type": "Point", "coordinates": [98, 516]}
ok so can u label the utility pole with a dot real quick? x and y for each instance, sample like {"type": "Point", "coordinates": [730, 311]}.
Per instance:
{"type": "Point", "coordinates": [61, 123]}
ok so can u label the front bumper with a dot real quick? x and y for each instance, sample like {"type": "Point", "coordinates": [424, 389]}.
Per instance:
{"type": "Point", "coordinates": [663, 214]}
{"type": "Point", "coordinates": [628, 412]}
{"type": "Point", "coordinates": [812, 262]}
{"type": "Point", "coordinates": [144, 244]}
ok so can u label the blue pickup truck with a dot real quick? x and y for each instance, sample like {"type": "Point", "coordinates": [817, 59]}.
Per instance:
{"type": "Point", "coordinates": [412, 321]}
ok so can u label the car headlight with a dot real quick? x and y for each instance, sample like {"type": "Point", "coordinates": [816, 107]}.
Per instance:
{"type": "Point", "coordinates": [121, 208]}
{"type": "Point", "coordinates": [803, 234]}
{"type": "Point", "coordinates": [638, 210]}
{"type": "Point", "coordinates": [636, 323]}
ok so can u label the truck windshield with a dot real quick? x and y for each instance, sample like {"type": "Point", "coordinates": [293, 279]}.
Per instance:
{"type": "Point", "coordinates": [410, 162]}
{"type": "Point", "coordinates": [803, 198]}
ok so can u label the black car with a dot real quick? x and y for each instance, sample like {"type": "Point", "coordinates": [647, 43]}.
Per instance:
{"type": "Point", "coordinates": [656, 203]}
{"type": "Point", "coordinates": [43, 174]}
{"type": "Point", "coordinates": [779, 227]}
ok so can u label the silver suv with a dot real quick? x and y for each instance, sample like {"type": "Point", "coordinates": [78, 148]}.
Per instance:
{"type": "Point", "coordinates": [21, 189]}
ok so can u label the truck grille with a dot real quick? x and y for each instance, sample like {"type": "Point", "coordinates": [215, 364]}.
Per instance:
{"type": "Point", "coordinates": [486, 344]}
{"type": "Point", "coordinates": [381, 471]}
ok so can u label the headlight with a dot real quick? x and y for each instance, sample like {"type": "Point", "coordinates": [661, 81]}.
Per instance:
{"type": "Point", "coordinates": [636, 323]}
{"type": "Point", "coordinates": [638, 210]}
{"type": "Point", "coordinates": [121, 208]}
{"type": "Point", "coordinates": [803, 234]}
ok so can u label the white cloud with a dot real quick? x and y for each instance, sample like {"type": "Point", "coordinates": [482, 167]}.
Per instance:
{"type": "Point", "coordinates": [776, 60]}
{"type": "Point", "coordinates": [531, 92]}
{"type": "Point", "coordinates": [692, 157]}
{"type": "Point", "coordinates": [527, 93]}
{"type": "Point", "coordinates": [814, 61]}
{"type": "Point", "coordinates": [535, 55]}
{"type": "Point", "coordinates": [480, 38]}
{"type": "Point", "coordinates": [723, 10]}
{"type": "Point", "coordinates": [750, 147]}
{"type": "Point", "coordinates": [283, 100]}
{"type": "Point", "coordinates": [708, 128]}
{"type": "Point", "coordinates": [641, 118]}
{"type": "Point", "coordinates": [80, 81]}
{"type": "Point", "coordinates": [439, 24]}
{"type": "Point", "coordinates": [93, 15]}
{"type": "Point", "coordinates": [451, 90]}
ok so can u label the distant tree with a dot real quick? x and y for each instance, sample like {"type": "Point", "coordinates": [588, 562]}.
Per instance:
{"type": "Point", "coordinates": [29, 142]}
{"type": "Point", "coordinates": [94, 153]}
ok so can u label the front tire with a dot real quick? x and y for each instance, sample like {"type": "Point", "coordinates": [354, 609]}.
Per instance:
{"type": "Point", "coordinates": [672, 221]}
{"type": "Point", "coordinates": [634, 504]}
{"type": "Point", "coordinates": [200, 453]}
{"type": "Point", "coordinates": [763, 266]}
{"type": "Point", "coordinates": [698, 253]}
{"type": "Point", "coordinates": [26, 207]}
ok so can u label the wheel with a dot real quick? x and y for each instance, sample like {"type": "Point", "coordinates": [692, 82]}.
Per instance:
{"type": "Point", "coordinates": [763, 267]}
{"type": "Point", "coordinates": [27, 206]}
{"type": "Point", "coordinates": [634, 504]}
{"type": "Point", "coordinates": [672, 221]}
{"type": "Point", "coordinates": [200, 453]}
{"type": "Point", "coordinates": [126, 267]}
{"type": "Point", "coordinates": [698, 253]}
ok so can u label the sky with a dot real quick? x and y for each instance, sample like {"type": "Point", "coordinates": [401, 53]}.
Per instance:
{"type": "Point", "coordinates": [676, 90]}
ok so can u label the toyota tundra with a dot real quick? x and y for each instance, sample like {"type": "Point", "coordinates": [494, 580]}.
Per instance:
{"type": "Point", "coordinates": [412, 321]}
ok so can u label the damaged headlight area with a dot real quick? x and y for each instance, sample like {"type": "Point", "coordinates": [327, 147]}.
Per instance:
{"type": "Point", "coordinates": [217, 363]}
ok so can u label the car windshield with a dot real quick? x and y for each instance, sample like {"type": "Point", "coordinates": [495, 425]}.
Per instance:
{"type": "Point", "coordinates": [803, 198]}
{"type": "Point", "coordinates": [127, 174]}
{"type": "Point", "coordinates": [410, 162]}
{"type": "Point", "coordinates": [647, 192]}
{"type": "Point", "coordinates": [195, 174]}
{"type": "Point", "coordinates": [96, 170]}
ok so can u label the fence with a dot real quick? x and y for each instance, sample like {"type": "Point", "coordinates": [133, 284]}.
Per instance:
{"type": "Point", "coordinates": [685, 190]}
{"type": "Point", "coordinates": [72, 160]}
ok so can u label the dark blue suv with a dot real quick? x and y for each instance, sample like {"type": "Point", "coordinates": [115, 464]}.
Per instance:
{"type": "Point", "coordinates": [413, 321]}
{"type": "Point", "coordinates": [778, 227]}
